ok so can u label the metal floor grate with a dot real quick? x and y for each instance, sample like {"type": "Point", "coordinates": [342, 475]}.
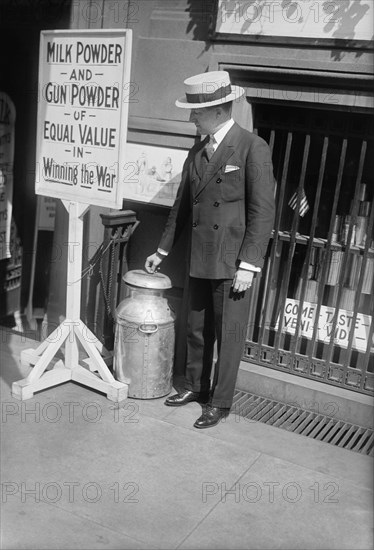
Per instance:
{"type": "Point", "coordinates": [311, 424]}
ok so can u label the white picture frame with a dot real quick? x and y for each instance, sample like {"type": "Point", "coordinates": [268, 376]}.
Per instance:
{"type": "Point", "coordinates": [153, 173]}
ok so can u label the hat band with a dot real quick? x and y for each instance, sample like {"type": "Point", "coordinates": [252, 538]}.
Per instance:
{"type": "Point", "coordinates": [220, 93]}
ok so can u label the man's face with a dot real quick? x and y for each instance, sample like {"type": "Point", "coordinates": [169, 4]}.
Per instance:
{"type": "Point", "coordinates": [205, 120]}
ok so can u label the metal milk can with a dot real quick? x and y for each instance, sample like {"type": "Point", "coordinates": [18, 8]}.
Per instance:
{"type": "Point", "coordinates": [144, 336]}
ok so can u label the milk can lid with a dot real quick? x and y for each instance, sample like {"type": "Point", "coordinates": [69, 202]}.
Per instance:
{"type": "Point", "coordinates": [140, 278]}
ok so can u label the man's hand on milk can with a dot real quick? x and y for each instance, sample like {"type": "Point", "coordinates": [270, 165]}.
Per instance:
{"type": "Point", "coordinates": [152, 262]}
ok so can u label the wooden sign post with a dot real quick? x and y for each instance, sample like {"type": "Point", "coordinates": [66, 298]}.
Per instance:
{"type": "Point", "coordinates": [82, 123]}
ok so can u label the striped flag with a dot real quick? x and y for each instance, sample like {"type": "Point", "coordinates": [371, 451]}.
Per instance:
{"type": "Point", "coordinates": [304, 205]}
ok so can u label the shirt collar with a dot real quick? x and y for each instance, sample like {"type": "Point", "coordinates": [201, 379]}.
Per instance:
{"type": "Point", "coordinates": [221, 133]}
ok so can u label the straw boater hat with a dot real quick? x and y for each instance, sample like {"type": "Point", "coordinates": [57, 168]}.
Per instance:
{"type": "Point", "coordinates": [208, 89]}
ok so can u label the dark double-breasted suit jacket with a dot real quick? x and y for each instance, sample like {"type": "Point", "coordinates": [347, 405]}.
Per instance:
{"type": "Point", "coordinates": [227, 203]}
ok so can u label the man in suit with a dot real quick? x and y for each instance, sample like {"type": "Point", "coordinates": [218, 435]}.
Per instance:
{"type": "Point", "coordinates": [226, 197]}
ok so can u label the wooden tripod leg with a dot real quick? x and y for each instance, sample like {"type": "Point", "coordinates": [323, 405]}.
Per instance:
{"type": "Point", "coordinates": [24, 389]}
{"type": "Point", "coordinates": [93, 353]}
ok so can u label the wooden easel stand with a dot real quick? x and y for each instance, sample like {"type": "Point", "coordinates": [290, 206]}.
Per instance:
{"type": "Point", "coordinates": [69, 334]}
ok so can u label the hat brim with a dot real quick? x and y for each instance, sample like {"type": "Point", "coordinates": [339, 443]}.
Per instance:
{"type": "Point", "coordinates": [237, 92]}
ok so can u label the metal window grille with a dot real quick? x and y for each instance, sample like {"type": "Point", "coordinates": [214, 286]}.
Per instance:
{"type": "Point", "coordinates": [312, 307]}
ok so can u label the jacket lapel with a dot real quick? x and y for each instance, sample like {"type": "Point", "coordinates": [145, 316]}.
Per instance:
{"type": "Point", "coordinates": [197, 160]}
{"type": "Point", "coordinates": [224, 151]}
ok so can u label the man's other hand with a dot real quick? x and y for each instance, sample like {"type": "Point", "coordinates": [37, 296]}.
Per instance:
{"type": "Point", "coordinates": [242, 280]}
{"type": "Point", "coordinates": [152, 263]}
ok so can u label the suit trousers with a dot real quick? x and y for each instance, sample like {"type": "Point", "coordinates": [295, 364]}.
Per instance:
{"type": "Point", "coordinates": [215, 314]}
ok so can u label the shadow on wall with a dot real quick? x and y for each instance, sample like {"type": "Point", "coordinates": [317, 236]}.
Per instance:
{"type": "Point", "coordinates": [202, 21]}
{"type": "Point", "coordinates": [339, 19]}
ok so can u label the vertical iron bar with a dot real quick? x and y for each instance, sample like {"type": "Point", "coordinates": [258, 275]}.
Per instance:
{"type": "Point", "coordinates": [263, 300]}
{"type": "Point", "coordinates": [348, 352]}
{"type": "Point", "coordinates": [371, 329]}
{"type": "Point", "coordinates": [310, 351]}
{"type": "Point", "coordinates": [304, 273]}
{"type": "Point", "coordinates": [272, 140]}
{"type": "Point", "coordinates": [291, 251]}
{"type": "Point", "coordinates": [252, 309]}
{"type": "Point", "coordinates": [276, 231]}
{"type": "Point", "coordinates": [254, 302]}
{"type": "Point", "coordinates": [347, 252]}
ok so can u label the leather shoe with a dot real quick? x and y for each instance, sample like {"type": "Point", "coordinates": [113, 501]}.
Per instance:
{"type": "Point", "coordinates": [186, 396]}
{"type": "Point", "coordinates": [211, 417]}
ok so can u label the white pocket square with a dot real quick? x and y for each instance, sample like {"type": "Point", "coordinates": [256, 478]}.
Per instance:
{"type": "Point", "coordinates": [231, 168]}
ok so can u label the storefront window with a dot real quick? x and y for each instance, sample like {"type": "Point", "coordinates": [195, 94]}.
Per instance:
{"type": "Point", "coordinates": [313, 306]}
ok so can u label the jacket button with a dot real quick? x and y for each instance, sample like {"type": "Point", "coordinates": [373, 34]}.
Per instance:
{"type": "Point", "coordinates": [195, 201]}
{"type": "Point", "coordinates": [193, 179]}
{"type": "Point", "coordinates": [216, 204]}
{"type": "Point", "coordinates": [194, 224]}
{"type": "Point", "coordinates": [215, 226]}
{"type": "Point", "coordinates": [218, 180]}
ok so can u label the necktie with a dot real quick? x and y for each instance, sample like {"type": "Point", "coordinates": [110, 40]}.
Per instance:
{"type": "Point", "coordinates": [209, 147]}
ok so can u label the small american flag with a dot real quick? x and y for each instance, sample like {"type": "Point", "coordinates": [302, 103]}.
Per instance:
{"type": "Point", "coordinates": [304, 205]}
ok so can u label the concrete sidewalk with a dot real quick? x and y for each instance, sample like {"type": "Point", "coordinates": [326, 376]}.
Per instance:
{"type": "Point", "coordinates": [80, 472]}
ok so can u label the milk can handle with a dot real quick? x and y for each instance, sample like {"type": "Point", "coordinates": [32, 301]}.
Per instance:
{"type": "Point", "coordinates": [148, 328]}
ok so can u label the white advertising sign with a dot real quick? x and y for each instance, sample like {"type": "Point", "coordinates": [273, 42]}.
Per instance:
{"type": "Point", "coordinates": [84, 83]}
{"type": "Point", "coordinates": [333, 19]}
{"type": "Point", "coordinates": [7, 123]}
{"type": "Point", "coordinates": [325, 322]}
